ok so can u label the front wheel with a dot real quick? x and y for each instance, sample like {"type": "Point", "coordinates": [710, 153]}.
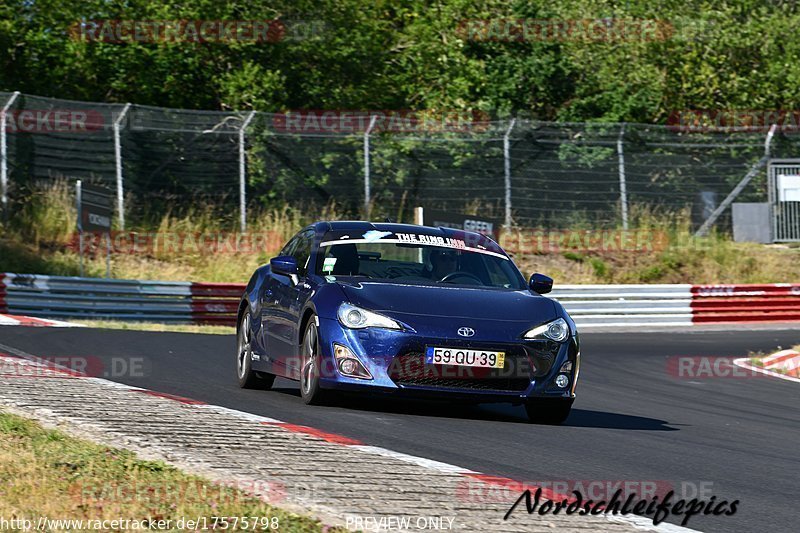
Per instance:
{"type": "Point", "coordinates": [248, 378]}
{"type": "Point", "coordinates": [553, 411]}
{"type": "Point", "coordinates": [310, 390]}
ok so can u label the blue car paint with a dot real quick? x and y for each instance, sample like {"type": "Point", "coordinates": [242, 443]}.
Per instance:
{"type": "Point", "coordinates": [499, 317]}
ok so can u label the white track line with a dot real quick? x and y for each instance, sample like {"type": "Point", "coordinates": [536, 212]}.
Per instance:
{"type": "Point", "coordinates": [30, 321]}
{"type": "Point", "coordinates": [637, 522]}
{"type": "Point", "coordinates": [420, 461]}
{"type": "Point", "coordinates": [6, 320]}
{"type": "Point", "coordinates": [242, 415]}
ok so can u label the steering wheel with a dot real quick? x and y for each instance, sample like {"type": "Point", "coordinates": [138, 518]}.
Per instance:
{"type": "Point", "coordinates": [395, 272]}
{"type": "Point", "coordinates": [454, 275]}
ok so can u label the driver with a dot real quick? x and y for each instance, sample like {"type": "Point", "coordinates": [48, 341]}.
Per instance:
{"type": "Point", "coordinates": [444, 262]}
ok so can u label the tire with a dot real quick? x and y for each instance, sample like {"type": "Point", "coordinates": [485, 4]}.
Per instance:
{"type": "Point", "coordinates": [551, 411]}
{"type": "Point", "coordinates": [248, 378]}
{"type": "Point", "coordinates": [310, 390]}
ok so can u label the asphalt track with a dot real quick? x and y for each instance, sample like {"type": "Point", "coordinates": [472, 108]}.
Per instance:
{"type": "Point", "coordinates": [633, 420]}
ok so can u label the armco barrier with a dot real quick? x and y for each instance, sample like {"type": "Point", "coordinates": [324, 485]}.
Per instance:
{"type": "Point", "coordinates": [97, 298]}
{"type": "Point", "coordinates": [627, 305]}
{"type": "Point", "coordinates": [3, 307]}
{"type": "Point", "coordinates": [746, 303]}
{"type": "Point", "coordinates": [217, 303]}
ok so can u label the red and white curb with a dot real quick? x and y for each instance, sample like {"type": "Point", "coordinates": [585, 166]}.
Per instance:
{"type": "Point", "coordinates": [18, 320]}
{"type": "Point", "coordinates": [783, 365]}
{"type": "Point", "coordinates": [45, 368]}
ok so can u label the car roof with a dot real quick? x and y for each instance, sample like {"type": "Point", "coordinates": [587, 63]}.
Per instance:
{"type": "Point", "coordinates": [361, 225]}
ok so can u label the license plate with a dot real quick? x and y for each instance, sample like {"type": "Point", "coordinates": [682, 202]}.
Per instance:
{"type": "Point", "coordinates": [435, 355]}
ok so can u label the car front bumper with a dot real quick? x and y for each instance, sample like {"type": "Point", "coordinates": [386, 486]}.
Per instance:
{"type": "Point", "coordinates": [395, 360]}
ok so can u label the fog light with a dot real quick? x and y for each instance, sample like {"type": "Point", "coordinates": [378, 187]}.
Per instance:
{"type": "Point", "coordinates": [348, 366]}
{"type": "Point", "coordinates": [348, 363]}
{"type": "Point", "coordinates": [562, 381]}
{"type": "Point", "coordinates": [566, 367]}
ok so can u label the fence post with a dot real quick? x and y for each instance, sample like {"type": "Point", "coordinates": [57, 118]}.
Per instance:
{"type": "Point", "coordinates": [623, 188]}
{"type": "Point", "coordinates": [4, 154]}
{"type": "Point", "coordinates": [772, 192]}
{"type": "Point", "coordinates": [118, 164]}
{"type": "Point", "coordinates": [243, 173]}
{"type": "Point", "coordinates": [78, 208]}
{"type": "Point", "coordinates": [367, 192]}
{"type": "Point", "coordinates": [507, 171]}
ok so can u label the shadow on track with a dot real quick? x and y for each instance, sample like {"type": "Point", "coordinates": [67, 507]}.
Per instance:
{"type": "Point", "coordinates": [583, 418]}
{"type": "Point", "coordinates": [499, 412]}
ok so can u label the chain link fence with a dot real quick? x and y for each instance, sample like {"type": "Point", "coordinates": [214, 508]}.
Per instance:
{"type": "Point", "coordinates": [525, 172]}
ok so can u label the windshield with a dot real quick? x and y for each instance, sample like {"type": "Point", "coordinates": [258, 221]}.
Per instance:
{"type": "Point", "coordinates": [438, 260]}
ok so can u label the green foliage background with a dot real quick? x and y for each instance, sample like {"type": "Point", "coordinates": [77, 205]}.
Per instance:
{"type": "Point", "coordinates": [415, 54]}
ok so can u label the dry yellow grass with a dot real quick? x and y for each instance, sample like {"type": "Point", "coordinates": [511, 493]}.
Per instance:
{"type": "Point", "coordinates": [677, 258]}
{"type": "Point", "coordinates": [35, 242]}
{"type": "Point", "coordinates": [46, 473]}
{"type": "Point", "coordinates": [152, 326]}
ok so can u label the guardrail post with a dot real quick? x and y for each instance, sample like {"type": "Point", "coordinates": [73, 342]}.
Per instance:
{"type": "Point", "coordinates": [507, 171]}
{"type": "Point", "coordinates": [118, 164]}
{"type": "Point", "coordinates": [243, 173]}
{"type": "Point", "coordinates": [367, 192]}
{"type": "Point", "coordinates": [623, 188]}
{"type": "Point", "coordinates": [4, 155]}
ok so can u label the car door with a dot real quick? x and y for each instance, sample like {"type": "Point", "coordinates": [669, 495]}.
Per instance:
{"type": "Point", "coordinates": [291, 298]}
{"type": "Point", "coordinates": [270, 311]}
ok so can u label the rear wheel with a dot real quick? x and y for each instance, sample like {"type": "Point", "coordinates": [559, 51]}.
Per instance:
{"type": "Point", "coordinates": [551, 411]}
{"type": "Point", "coordinates": [248, 378]}
{"type": "Point", "coordinates": [311, 364]}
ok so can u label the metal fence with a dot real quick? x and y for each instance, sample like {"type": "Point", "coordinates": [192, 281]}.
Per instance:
{"type": "Point", "coordinates": [526, 172]}
{"type": "Point", "coordinates": [784, 199]}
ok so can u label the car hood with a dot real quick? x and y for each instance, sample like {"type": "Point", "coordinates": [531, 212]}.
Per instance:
{"type": "Point", "coordinates": [414, 304]}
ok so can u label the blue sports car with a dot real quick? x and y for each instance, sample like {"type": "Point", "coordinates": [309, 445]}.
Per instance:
{"type": "Point", "coordinates": [407, 310]}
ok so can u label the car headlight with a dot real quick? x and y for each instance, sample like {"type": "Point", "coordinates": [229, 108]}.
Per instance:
{"type": "Point", "coordinates": [351, 316]}
{"type": "Point", "coordinates": [557, 330]}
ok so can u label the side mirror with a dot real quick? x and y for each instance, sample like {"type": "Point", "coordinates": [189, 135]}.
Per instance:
{"type": "Point", "coordinates": [284, 264]}
{"type": "Point", "coordinates": [541, 284]}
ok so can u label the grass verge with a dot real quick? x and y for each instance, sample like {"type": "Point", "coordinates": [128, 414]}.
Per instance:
{"type": "Point", "coordinates": [46, 473]}
{"type": "Point", "coordinates": [151, 326]}
{"type": "Point", "coordinates": [757, 359]}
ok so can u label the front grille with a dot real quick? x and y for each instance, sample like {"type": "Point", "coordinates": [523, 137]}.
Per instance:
{"type": "Point", "coordinates": [410, 370]}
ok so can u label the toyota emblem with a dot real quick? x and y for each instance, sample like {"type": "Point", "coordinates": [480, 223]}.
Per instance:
{"type": "Point", "coordinates": [466, 332]}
